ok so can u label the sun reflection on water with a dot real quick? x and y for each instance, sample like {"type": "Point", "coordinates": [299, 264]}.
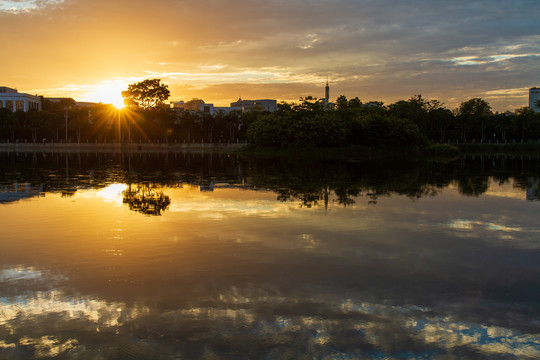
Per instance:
{"type": "Point", "coordinates": [112, 193]}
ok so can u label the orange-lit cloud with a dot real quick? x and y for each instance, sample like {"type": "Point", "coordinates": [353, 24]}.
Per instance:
{"type": "Point", "coordinates": [216, 50]}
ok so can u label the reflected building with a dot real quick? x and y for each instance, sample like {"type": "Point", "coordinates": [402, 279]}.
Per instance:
{"type": "Point", "coordinates": [15, 192]}
{"type": "Point", "coordinates": [207, 187]}
{"type": "Point", "coordinates": [213, 185]}
{"type": "Point", "coordinates": [533, 191]}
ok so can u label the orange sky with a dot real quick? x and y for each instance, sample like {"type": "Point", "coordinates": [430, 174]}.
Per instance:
{"type": "Point", "coordinates": [219, 50]}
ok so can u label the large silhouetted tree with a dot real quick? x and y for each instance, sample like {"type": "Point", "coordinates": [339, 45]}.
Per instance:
{"type": "Point", "coordinates": [147, 94]}
{"type": "Point", "coordinates": [474, 112]}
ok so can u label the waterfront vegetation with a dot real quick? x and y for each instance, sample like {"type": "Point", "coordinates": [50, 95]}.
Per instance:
{"type": "Point", "coordinates": [407, 125]}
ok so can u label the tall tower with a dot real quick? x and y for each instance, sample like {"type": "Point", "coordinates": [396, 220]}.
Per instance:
{"type": "Point", "coordinates": [326, 93]}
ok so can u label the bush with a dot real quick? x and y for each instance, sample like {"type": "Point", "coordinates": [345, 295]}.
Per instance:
{"type": "Point", "coordinates": [277, 130]}
{"type": "Point", "coordinates": [384, 130]}
{"type": "Point", "coordinates": [270, 130]}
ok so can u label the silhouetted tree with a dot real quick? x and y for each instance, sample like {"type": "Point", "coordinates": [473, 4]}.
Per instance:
{"type": "Point", "coordinates": [414, 109]}
{"type": "Point", "coordinates": [5, 122]}
{"type": "Point", "coordinates": [502, 122]}
{"type": "Point", "coordinates": [146, 94]}
{"type": "Point", "coordinates": [524, 119]}
{"type": "Point", "coordinates": [474, 112]}
{"type": "Point", "coordinates": [342, 103]}
{"type": "Point", "coordinates": [441, 119]}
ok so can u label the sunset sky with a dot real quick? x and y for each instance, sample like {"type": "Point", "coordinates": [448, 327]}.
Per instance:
{"type": "Point", "coordinates": [219, 50]}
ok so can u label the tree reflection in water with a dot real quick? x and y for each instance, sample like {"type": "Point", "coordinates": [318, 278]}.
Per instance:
{"type": "Point", "coordinates": [310, 182]}
{"type": "Point", "coordinates": [146, 198]}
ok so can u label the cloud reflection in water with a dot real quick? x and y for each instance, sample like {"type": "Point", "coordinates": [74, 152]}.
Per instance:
{"type": "Point", "coordinates": [234, 321]}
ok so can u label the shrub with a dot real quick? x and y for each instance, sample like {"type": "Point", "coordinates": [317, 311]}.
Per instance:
{"type": "Point", "coordinates": [384, 130]}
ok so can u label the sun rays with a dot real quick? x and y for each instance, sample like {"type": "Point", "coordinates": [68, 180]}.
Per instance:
{"type": "Point", "coordinates": [108, 92]}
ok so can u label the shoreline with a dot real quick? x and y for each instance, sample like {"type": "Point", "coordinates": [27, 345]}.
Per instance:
{"type": "Point", "coordinates": [350, 152]}
{"type": "Point", "coordinates": [121, 148]}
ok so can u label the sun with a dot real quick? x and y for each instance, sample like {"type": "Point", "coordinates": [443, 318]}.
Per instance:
{"type": "Point", "coordinates": [108, 92]}
{"type": "Point", "coordinates": [113, 96]}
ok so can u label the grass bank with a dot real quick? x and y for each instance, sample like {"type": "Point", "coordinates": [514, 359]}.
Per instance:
{"type": "Point", "coordinates": [357, 152]}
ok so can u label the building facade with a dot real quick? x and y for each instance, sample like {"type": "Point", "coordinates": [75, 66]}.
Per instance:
{"type": "Point", "coordinates": [199, 106]}
{"type": "Point", "coordinates": [534, 98]}
{"type": "Point", "coordinates": [226, 109]}
{"type": "Point", "coordinates": [13, 100]}
{"type": "Point", "coordinates": [194, 105]}
{"type": "Point", "coordinates": [261, 104]}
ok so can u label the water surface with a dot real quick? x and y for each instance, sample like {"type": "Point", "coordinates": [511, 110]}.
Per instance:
{"type": "Point", "coordinates": [198, 256]}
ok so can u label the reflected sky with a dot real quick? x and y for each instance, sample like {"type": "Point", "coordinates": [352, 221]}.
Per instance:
{"type": "Point", "coordinates": [235, 273]}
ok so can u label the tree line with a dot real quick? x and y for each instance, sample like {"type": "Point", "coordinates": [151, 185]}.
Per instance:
{"type": "Point", "coordinates": [411, 122]}
{"type": "Point", "coordinates": [65, 122]}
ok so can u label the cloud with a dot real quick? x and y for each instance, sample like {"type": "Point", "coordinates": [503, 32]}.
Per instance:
{"type": "Point", "coordinates": [26, 6]}
{"type": "Point", "coordinates": [381, 50]}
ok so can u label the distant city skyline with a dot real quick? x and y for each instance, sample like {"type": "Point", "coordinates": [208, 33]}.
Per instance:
{"type": "Point", "coordinates": [375, 50]}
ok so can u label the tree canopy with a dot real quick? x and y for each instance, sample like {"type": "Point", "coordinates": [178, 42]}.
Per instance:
{"type": "Point", "coordinates": [475, 108]}
{"type": "Point", "coordinates": [405, 123]}
{"type": "Point", "coordinates": [146, 94]}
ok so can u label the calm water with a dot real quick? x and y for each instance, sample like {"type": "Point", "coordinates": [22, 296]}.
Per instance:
{"type": "Point", "coordinates": [191, 256]}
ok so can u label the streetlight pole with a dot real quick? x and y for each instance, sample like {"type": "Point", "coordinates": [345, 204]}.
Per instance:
{"type": "Point", "coordinates": [66, 118]}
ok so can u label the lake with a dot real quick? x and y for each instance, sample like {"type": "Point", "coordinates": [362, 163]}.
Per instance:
{"type": "Point", "coordinates": [193, 256]}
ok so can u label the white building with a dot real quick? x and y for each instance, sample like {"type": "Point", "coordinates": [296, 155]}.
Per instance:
{"type": "Point", "coordinates": [15, 101]}
{"type": "Point", "coordinates": [534, 98]}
